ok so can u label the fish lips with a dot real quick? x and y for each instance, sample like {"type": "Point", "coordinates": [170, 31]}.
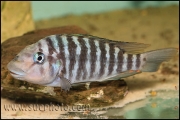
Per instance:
{"type": "Point", "coordinates": [15, 72]}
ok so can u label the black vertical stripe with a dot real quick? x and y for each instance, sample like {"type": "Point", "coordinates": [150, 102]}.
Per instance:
{"type": "Point", "coordinates": [111, 59]}
{"type": "Point", "coordinates": [102, 58]}
{"type": "Point", "coordinates": [129, 61]}
{"type": "Point", "coordinates": [72, 54]}
{"type": "Point", "coordinates": [93, 56]}
{"type": "Point", "coordinates": [39, 46]}
{"type": "Point", "coordinates": [82, 60]}
{"type": "Point", "coordinates": [61, 55]}
{"type": "Point", "coordinates": [50, 46]}
{"type": "Point", "coordinates": [138, 61]}
{"type": "Point", "coordinates": [51, 61]}
{"type": "Point", "coordinates": [120, 61]}
{"type": "Point", "coordinates": [49, 56]}
{"type": "Point", "coordinates": [41, 65]}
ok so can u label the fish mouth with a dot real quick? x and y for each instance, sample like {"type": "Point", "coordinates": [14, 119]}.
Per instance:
{"type": "Point", "coordinates": [16, 72]}
{"type": "Point", "coordinates": [13, 73]}
{"type": "Point", "coordinates": [16, 75]}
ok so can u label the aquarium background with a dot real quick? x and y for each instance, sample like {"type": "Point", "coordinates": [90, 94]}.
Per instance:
{"type": "Point", "coordinates": [151, 95]}
{"type": "Point", "coordinates": [55, 8]}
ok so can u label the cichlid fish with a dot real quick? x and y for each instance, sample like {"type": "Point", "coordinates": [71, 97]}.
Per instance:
{"type": "Point", "coordinates": [66, 59]}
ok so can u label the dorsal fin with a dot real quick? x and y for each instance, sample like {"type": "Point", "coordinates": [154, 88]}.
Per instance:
{"type": "Point", "coordinates": [132, 47]}
{"type": "Point", "coordinates": [128, 47]}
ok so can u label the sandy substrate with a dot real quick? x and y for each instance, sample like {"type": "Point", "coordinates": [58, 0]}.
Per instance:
{"type": "Point", "coordinates": [155, 26]}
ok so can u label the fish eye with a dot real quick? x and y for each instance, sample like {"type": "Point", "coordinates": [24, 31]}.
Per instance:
{"type": "Point", "coordinates": [39, 57]}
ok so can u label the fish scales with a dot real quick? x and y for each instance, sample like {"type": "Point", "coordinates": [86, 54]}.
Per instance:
{"type": "Point", "coordinates": [116, 52]}
{"type": "Point", "coordinates": [120, 61]}
{"type": "Point", "coordinates": [88, 58]}
{"type": "Point", "coordinates": [43, 49]}
{"type": "Point", "coordinates": [61, 55]}
{"type": "Point", "coordinates": [103, 58]}
{"type": "Point", "coordinates": [72, 48]}
{"type": "Point", "coordinates": [62, 60]}
{"type": "Point", "coordinates": [129, 62]}
{"type": "Point", "coordinates": [134, 58]}
{"type": "Point", "coordinates": [93, 56]}
{"type": "Point", "coordinates": [78, 52]}
{"type": "Point", "coordinates": [51, 51]}
{"type": "Point", "coordinates": [83, 59]}
{"type": "Point", "coordinates": [112, 58]}
{"type": "Point", "coordinates": [107, 60]}
{"type": "Point", "coordinates": [77, 60]}
{"type": "Point", "coordinates": [98, 63]}
{"type": "Point", "coordinates": [138, 62]}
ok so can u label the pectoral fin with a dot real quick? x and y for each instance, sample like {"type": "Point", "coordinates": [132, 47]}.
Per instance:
{"type": "Point", "coordinates": [62, 82]}
{"type": "Point", "coordinates": [65, 84]}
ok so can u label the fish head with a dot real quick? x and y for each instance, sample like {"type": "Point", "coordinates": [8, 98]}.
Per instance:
{"type": "Point", "coordinates": [35, 65]}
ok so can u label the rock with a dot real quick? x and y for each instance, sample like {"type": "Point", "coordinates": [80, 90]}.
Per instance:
{"type": "Point", "coordinates": [99, 93]}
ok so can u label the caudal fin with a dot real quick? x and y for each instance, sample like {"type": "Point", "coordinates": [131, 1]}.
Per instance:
{"type": "Point", "coordinates": [153, 59]}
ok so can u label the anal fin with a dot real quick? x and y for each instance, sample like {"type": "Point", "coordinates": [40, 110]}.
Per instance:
{"type": "Point", "coordinates": [124, 74]}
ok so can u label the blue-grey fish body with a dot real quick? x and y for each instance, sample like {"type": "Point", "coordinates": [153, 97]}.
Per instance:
{"type": "Point", "coordinates": [62, 60]}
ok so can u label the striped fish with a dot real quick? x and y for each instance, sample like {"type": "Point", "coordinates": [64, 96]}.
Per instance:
{"type": "Point", "coordinates": [66, 59]}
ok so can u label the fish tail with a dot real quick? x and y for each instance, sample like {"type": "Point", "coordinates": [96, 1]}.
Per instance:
{"type": "Point", "coordinates": [152, 59]}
